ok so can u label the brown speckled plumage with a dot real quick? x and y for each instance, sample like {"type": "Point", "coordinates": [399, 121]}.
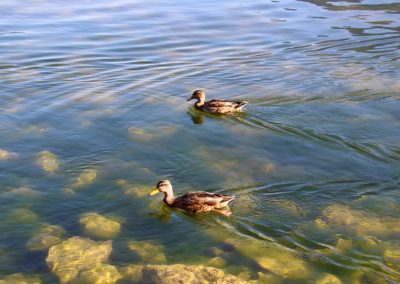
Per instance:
{"type": "Point", "coordinates": [216, 106]}
{"type": "Point", "coordinates": [194, 201]}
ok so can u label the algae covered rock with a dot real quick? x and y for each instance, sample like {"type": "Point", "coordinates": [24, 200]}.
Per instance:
{"type": "Point", "coordinates": [290, 207]}
{"type": "Point", "coordinates": [276, 259]}
{"type": "Point", "coordinates": [363, 223]}
{"type": "Point", "coordinates": [24, 215]}
{"type": "Point", "coordinates": [100, 226]}
{"type": "Point", "coordinates": [24, 192]}
{"type": "Point", "coordinates": [85, 178]}
{"type": "Point", "coordinates": [54, 230]}
{"type": "Point", "coordinates": [46, 237]}
{"type": "Point", "coordinates": [99, 273]}
{"type": "Point", "coordinates": [131, 189]}
{"type": "Point", "coordinates": [48, 161]}
{"type": "Point", "coordinates": [5, 155]}
{"type": "Point", "coordinates": [76, 255]}
{"type": "Point", "coordinates": [186, 274]}
{"type": "Point", "coordinates": [19, 278]}
{"type": "Point", "coordinates": [284, 266]}
{"type": "Point", "coordinates": [42, 242]}
{"type": "Point", "coordinates": [148, 251]}
{"type": "Point", "coordinates": [132, 273]}
{"type": "Point", "coordinates": [217, 262]}
{"type": "Point", "coordinates": [328, 279]}
{"type": "Point", "coordinates": [267, 278]}
{"type": "Point", "coordinates": [145, 135]}
{"type": "Point", "coordinates": [392, 257]}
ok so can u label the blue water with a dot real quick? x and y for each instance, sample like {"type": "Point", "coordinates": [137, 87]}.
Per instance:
{"type": "Point", "coordinates": [103, 85]}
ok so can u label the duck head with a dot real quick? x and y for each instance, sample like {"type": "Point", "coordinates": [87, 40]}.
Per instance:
{"type": "Point", "coordinates": [164, 186]}
{"type": "Point", "coordinates": [198, 95]}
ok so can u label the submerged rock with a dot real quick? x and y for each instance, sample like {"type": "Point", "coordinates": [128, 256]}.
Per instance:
{"type": "Point", "coordinates": [85, 178]}
{"type": "Point", "coordinates": [217, 262]}
{"type": "Point", "coordinates": [178, 273]}
{"type": "Point", "coordinates": [279, 260]}
{"type": "Point", "coordinates": [382, 205]}
{"type": "Point", "coordinates": [286, 267]}
{"type": "Point", "coordinates": [99, 226]}
{"type": "Point", "coordinates": [392, 257]}
{"type": "Point", "coordinates": [132, 273]}
{"type": "Point", "coordinates": [133, 189]}
{"type": "Point", "coordinates": [48, 161]}
{"type": "Point", "coordinates": [145, 135]}
{"type": "Point", "coordinates": [46, 237]}
{"type": "Point", "coordinates": [99, 273]}
{"type": "Point", "coordinates": [264, 278]}
{"type": "Point", "coordinates": [363, 223]}
{"type": "Point", "coordinates": [42, 242]}
{"type": "Point", "coordinates": [148, 251]}
{"type": "Point", "coordinates": [23, 192]}
{"type": "Point", "coordinates": [24, 215]}
{"type": "Point", "coordinates": [77, 255]}
{"type": "Point", "coordinates": [290, 207]}
{"type": "Point", "coordinates": [328, 279]}
{"type": "Point", "coordinates": [19, 278]}
{"type": "Point", "coordinates": [54, 230]}
{"type": "Point", "coordinates": [5, 155]}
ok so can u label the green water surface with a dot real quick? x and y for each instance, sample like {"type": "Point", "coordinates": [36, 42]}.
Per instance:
{"type": "Point", "coordinates": [314, 162]}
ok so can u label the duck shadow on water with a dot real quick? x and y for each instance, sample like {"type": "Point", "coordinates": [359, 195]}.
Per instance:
{"type": "Point", "coordinates": [199, 117]}
{"type": "Point", "coordinates": [165, 214]}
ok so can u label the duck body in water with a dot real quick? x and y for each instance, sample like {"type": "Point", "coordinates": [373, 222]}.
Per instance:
{"type": "Point", "coordinates": [216, 106]}
{"type": "Point", "coordinates": [194, 201]}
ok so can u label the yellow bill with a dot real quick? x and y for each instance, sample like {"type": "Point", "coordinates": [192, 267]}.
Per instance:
{"type": "Point", "coordinates": [155, 191]}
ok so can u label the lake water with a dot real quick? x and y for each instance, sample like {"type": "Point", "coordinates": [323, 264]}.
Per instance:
{"type": "Point", "coordinates": [93, 114]}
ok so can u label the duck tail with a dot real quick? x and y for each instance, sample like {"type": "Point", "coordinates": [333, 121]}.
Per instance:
{"type": "Point", "coordinates": [228, 198]}
{"type": "Point", "coordinates": [241, 104]}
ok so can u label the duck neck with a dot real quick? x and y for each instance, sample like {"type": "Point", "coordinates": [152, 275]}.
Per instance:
{"type": "Point", "coordinates": [199, 103]}
{"type": "Point", "coordinates": [169, 198]}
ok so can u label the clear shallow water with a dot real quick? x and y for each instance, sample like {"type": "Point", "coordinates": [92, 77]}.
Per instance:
{"type": "Point", "coordinates": [315, 162]}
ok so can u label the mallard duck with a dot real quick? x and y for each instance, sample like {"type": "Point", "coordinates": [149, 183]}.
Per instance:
{"type": "Point", "coordinates": [194, 201]}
{"type": "Point", "coordinates": [215, 106]}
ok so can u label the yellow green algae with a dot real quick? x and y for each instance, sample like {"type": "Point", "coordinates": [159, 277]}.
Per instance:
{"type": "Point", "coordinates": [23, 192]}
{"type": "Point", "coordinates": [42, 242]}
{"type": "Point", "coordinates": [6, 155]}
{"type": "Point", "coordinates": [100, 273]}
{"type": "Point", "coordinates": [363, 277]}
{"type": "Point", "coordinates": [45, 237]}
{"type": "Point", "coordinates": [379, 204]}
{"type": "Point", "coordinates": [132, 273]}
{"type": "Point", "coordinates": [290, 207]}
{"type": "Point", "coordinates": [328, 279]}
{"type": "Point", "coordinates": [360, 222]}
{"type": "Point", "coordinates": [177, 273]}
{"type": "Point", "coordinates": [141, 134]}
{"type": "Point", "coordinates": [24, 215]}
{"type": "Point", "coordinates": [54, 230]}
{"type": "Point", "coordinates": [134, 190]}
{"type": "Point", "coordinates": [276, 259]}
{"type": "Point", "coordinates": [217, 262]}
{"type": "Point", "coordinates": [97, 225]}
{"type": "Point", "coordinates": [85, 178]}
{"type": "Point", "coordinates": [149, 251]}
{"type": "Point", "coordinates": [76, 255]}
{"type": "Point", "coordinates": [48, 161]}
{"type": "Point", "coordinates": [19, 278]}
{"type": "Point", "coordinates": [266, 278]}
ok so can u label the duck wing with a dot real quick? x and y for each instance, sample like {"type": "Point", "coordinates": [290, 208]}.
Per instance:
{"type": "Point", "coordinates": [225, 103]}
{"type": "Point", "coordinates": [204, 198]}
{"type": "Point", "coordinates": [222, 106]}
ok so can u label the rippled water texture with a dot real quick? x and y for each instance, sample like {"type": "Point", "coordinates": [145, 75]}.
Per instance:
{"type": "Point", "coordinates": [93, 113]}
